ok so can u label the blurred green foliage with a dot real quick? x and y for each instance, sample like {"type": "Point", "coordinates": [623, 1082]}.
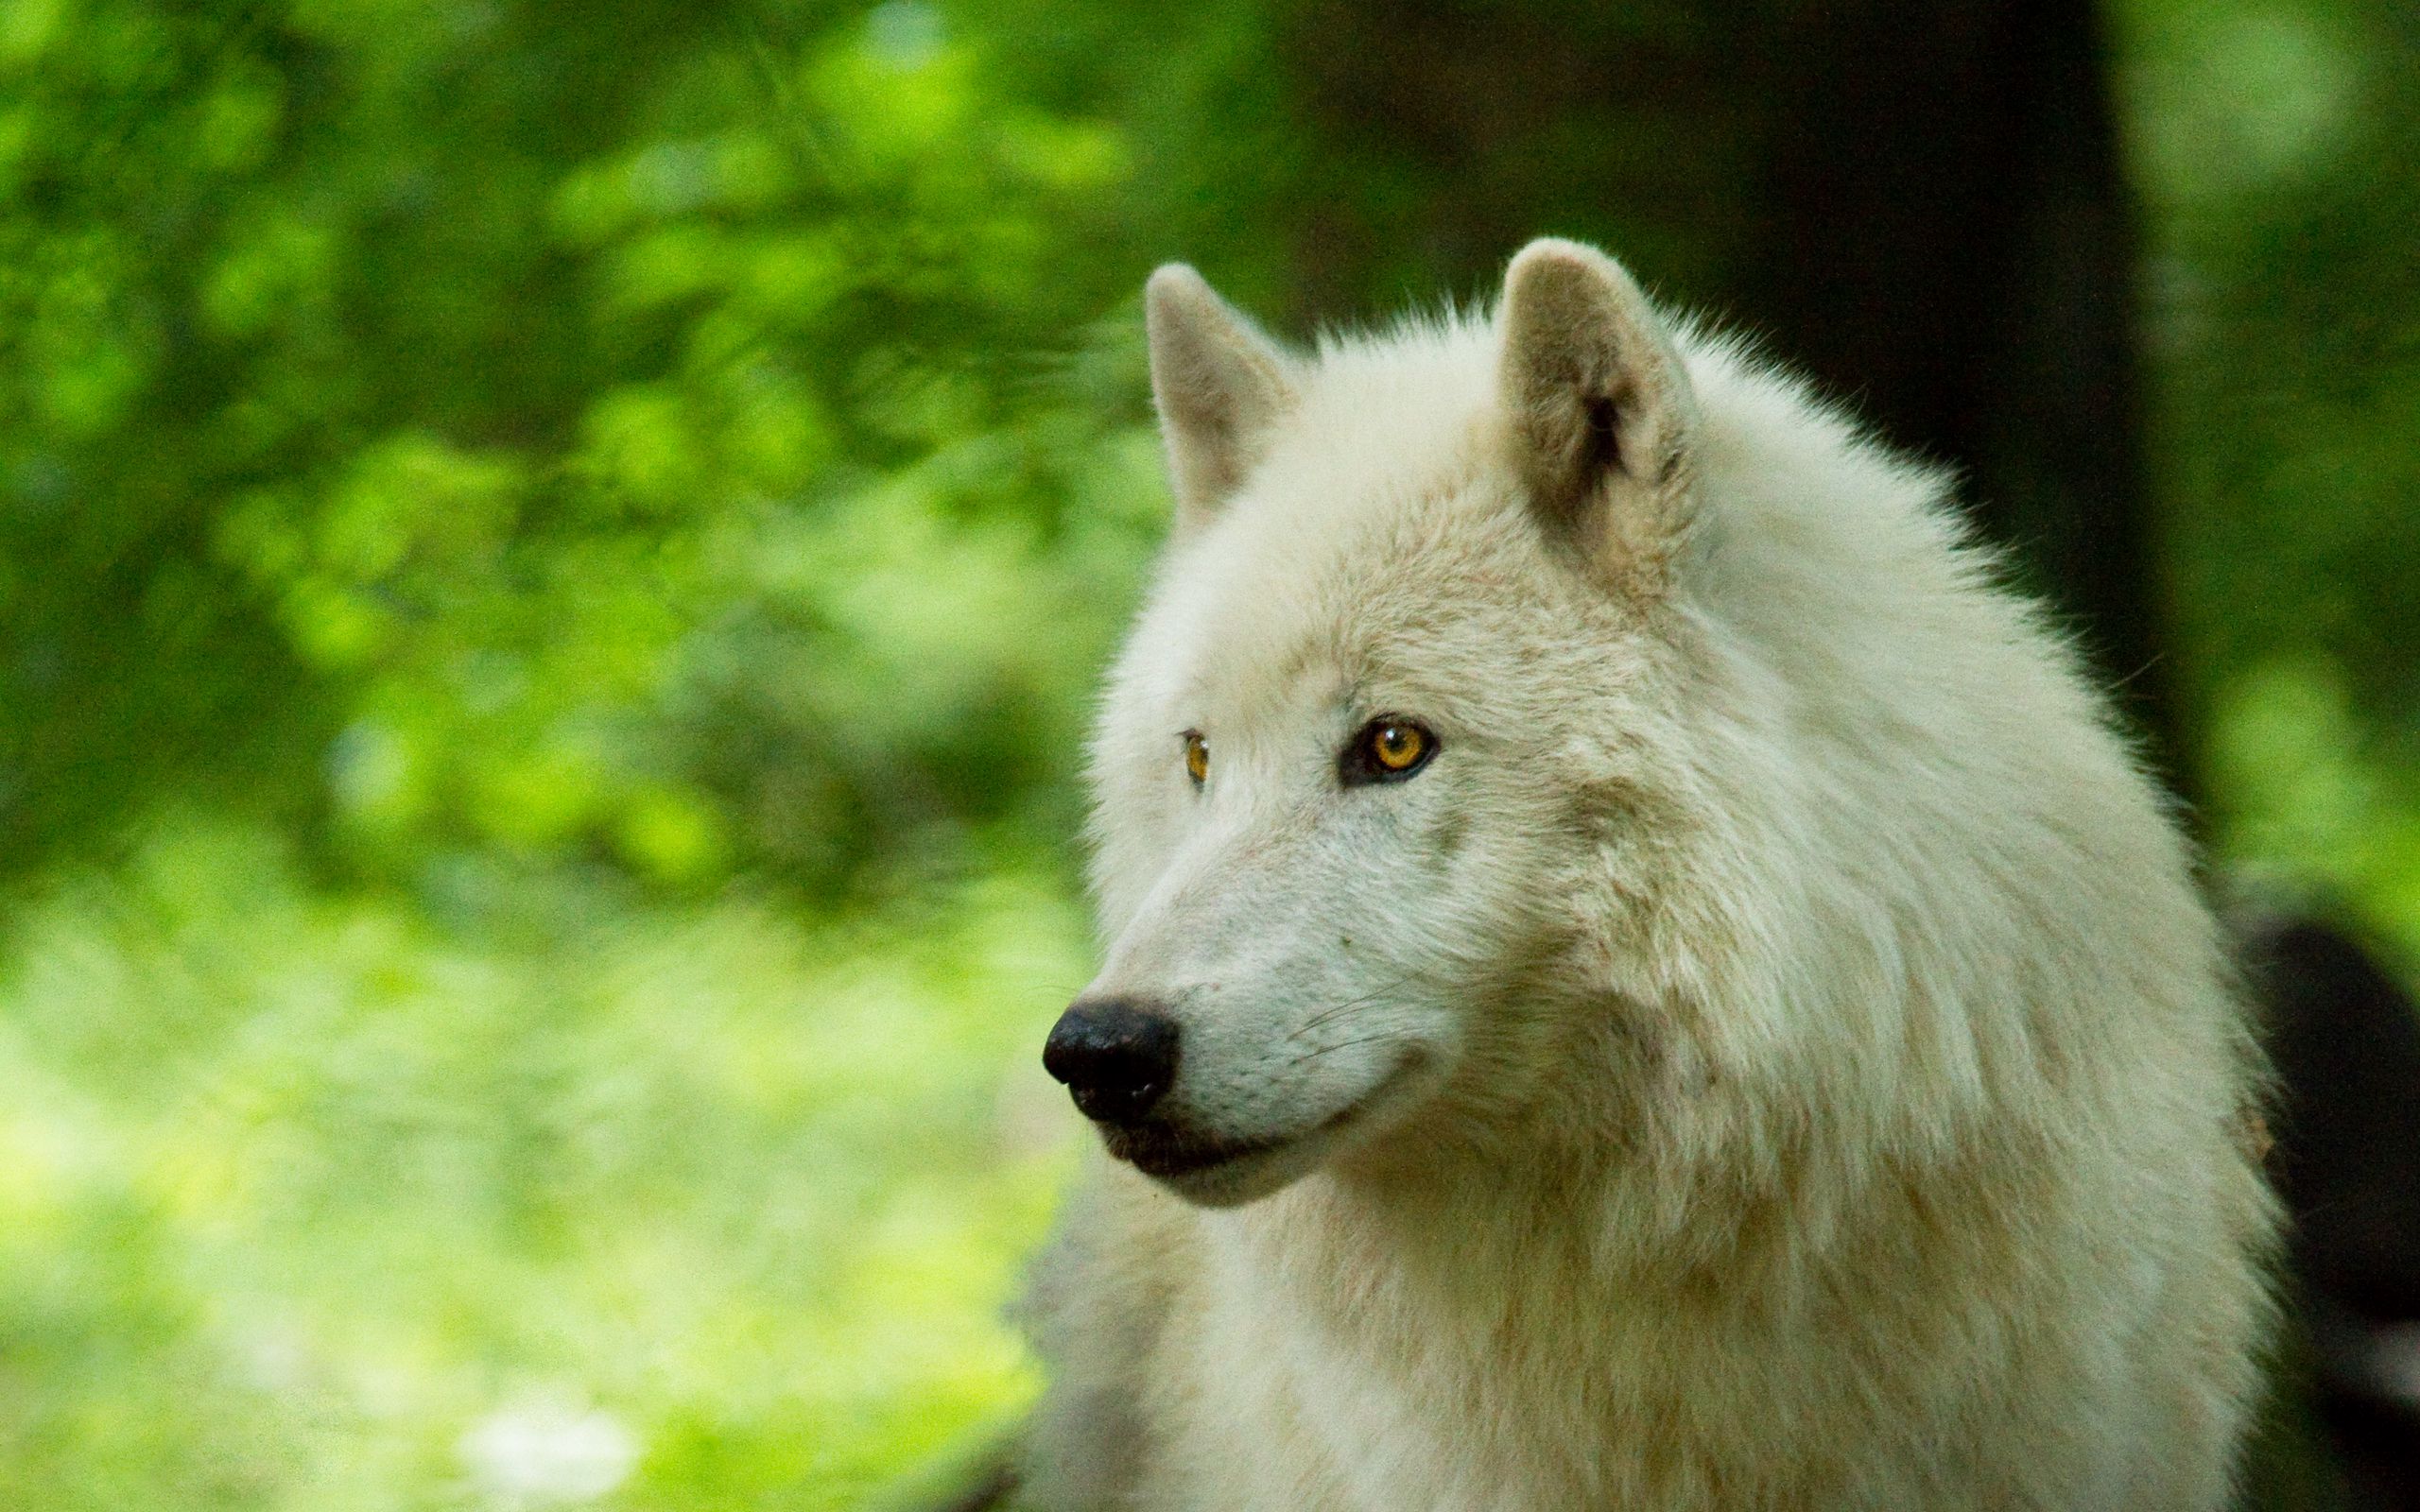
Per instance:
{"type": "Point", "coordinates": [2273, 148]}
{"type": "Point", "coordinates": [624, 435]}
{"type": "Point", "coordinates": [551, 562]}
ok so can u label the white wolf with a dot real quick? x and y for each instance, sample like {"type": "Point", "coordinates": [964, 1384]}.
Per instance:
{"type": "Point", "coordinates": [1637, 976]}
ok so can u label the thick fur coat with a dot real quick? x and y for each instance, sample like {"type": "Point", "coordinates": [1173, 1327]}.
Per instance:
{"type": "Point", "coordinates": [1768, 1052]}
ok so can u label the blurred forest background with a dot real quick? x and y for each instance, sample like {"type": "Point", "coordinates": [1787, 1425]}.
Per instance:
{"type": "Point", "coordinates": [552, 559]}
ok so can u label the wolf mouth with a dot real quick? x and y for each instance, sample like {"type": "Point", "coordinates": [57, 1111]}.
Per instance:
{"type": "Point", "coordinates": [1165, 1151]}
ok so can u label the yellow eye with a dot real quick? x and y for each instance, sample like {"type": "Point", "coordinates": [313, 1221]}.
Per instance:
{"type": "Point", "coordinates": [1395, 747]}
{"type": "Point", "coordinates": [1387, 751]}
{"type": "Point", "coordinates": [1197, 756]}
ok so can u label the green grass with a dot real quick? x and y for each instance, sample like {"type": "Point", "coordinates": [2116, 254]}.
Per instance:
{"type": "Point", "coordinates": [308, 1202]}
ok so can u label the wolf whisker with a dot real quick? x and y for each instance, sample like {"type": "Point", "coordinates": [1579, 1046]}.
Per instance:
{"type": "Point", "coordinates": [1327, 1014]}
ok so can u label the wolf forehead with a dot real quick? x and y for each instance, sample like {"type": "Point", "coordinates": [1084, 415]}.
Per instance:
{"type": "Point", "coordinates": [1402, 416]}
{"type": "Point", "coordinates": [1377, 544]}
{"type": "Point", "coordinates": [1429, 604]}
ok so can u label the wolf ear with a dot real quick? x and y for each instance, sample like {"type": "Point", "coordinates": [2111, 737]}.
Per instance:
{"type": "Point", "coordinates": [1601, 408]}
{"type": "Point", "coordinates": [1221, 386]}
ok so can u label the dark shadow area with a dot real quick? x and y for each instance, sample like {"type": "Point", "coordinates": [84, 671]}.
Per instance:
{"type": "Point", "coordinates": [2345, 1039]}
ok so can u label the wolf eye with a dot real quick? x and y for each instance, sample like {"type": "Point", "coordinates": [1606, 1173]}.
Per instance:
{"type": "Point", "coordinates": [1387, 751]}
{"type": "Point", "coordinates": [1197, 757]}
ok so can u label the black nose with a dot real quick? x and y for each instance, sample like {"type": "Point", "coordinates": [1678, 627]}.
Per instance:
{"type": "Point", "coordinates": [1117, 1055]}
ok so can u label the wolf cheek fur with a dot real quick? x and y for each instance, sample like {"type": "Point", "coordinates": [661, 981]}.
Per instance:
{"type": "Point", "coordinates": [1768, 1053]}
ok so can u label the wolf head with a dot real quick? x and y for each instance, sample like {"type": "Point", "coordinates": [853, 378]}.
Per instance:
{"type": "Point", "coordinates": [1550, 726]}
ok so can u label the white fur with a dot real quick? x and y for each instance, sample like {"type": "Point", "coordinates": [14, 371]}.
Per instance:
{"type": "Point", "coordinates": [1774, 1056]}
